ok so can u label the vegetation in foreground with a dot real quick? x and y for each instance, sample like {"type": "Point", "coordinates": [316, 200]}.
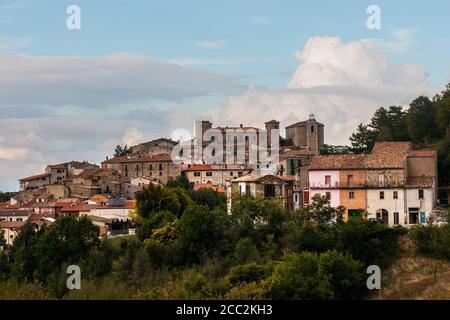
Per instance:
{"type": "Point", "coordinates": [188, 247]}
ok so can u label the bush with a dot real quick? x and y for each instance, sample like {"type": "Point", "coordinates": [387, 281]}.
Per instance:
{"type": "Point", "coordinates": [369, 242]}
{"type": "Point", "coordinates": [310, 276]}
{"type": "Point", "coordinates": [247, 273]}
{"type": "Point", "coordinates": [310, 237]}
{"type": "Point", "coordinates": [346, 275]}
{"type": "Point", "coordinates": [432, 241]}
{"type": "Point", "coordinates": [298, 278]}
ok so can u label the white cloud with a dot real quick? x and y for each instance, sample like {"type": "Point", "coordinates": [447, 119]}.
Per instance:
{"type": "Point", "coordinates": [9, 44]}
{"type": "Point", "coordinates": [39, 83]}
{"type": "Point", "coordinates": [400, 41]}
{"type": "Point", "coordinates": [212, 45]}
{"type": "Point", "coordinates": [341, 83]}
{"type": "Point", "coordinates": [261, 20]}
{"type": "Point", "coordinates": [132, 136]}
{"type": "Point", "coordinates": [13, 153]}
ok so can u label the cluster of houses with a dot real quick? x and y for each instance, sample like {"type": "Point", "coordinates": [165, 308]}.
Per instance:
{"type": "Point", "coordinates": [394, 183]}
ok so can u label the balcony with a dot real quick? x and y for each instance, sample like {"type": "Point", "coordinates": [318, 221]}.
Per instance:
{"type": "Point", "coordinates": [355, 185]}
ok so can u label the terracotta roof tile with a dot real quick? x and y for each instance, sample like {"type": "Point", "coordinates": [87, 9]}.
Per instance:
{"type": "Point", "coordinates": [37, 176]}
{"type": "Point", "coordinates": [419, 182]}
{"type": "Point", "coordinates": [11, 224]}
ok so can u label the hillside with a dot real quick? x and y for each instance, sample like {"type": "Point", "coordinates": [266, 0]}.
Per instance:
{"type": "Point", "coordinates": [416, 277]}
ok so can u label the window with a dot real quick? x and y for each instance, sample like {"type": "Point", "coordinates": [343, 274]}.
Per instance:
{"type": "Point", "coordinates": [421, 196]}
{"type": "Point", "coordinates": [137, 167]}
{"type": "Point", "coordinates": [58, 171]}
{"type": "Point", "coordinates": [196, 174]}
{"type": "Point", "coordinates": [209, 174]}
{"type": "Point", "coordinates": [395, 195]}
{"type": "Point", "coordinates": [151, 173]}
{"type": "Point", "coordinates": [269, 191]}
{"type": "Point", "coordinates": [247, 189]}
{"type": "Point", "coordinates": [295, 197]}
{"type": "Point", "coordinates": [239, 173]}
{"type": "Point", "coordinates": [381, 195]}
{"type": "Point", "coordinates": [328, 195]}
{"type": "Point", "coordinates": [126, 168]}
{"type": "Point", "coordinates": [327, 180]}
{"type": "Point", "coordinates": [381, 180]}
{"type": "Point", "coordinates": [350, 180]}
{"type": "Point", "coordinates": [19, 219]}
{"type": "Point", "coordinates": [151, 167]}
{"type": "Point", "coordinates": [396, 218]}
{"type": "Point", "coordinates": [160, 166]}
{"type": "Point", "coordinates": [351, 195]}
{"type": "Point", "coordinates": [160, 173]}
{"type": "Point", "coordinates": [312, 129]}
{"type": "Point", "coordinates": [231, 173]}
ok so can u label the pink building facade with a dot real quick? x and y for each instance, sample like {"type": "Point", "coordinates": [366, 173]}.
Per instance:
{"type": "Point", "coordinates": [325, 183]}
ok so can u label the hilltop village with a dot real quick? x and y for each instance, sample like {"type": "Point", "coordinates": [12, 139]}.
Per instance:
{"type": "Point", "coordinates": [394, 184]}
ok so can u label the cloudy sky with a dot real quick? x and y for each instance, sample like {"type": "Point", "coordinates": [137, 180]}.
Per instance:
{"type": "Point", "coordinates": [138, 70]}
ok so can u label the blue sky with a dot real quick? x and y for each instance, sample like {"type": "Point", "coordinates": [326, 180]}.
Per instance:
{"type": "Point", "coordinates": [139, 69]}
{"type": "Point", "coordinates": [254, 40]}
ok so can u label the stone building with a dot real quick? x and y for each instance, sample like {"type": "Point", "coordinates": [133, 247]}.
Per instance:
{"type": "Point", "coordinates": [154, 147]}
{"type": "Point", "coordinates": [244, 140]}
{"type": "Point", "coordinates": [268, 187]}
{"type": "Point", "coordinates": [159, 167]}
{"type": "Point", "coordinates": [308, 134]}
{"type": "Point", "coordinates": [394, 184]}
{"type": "Point", "coordinates": [214, 174]}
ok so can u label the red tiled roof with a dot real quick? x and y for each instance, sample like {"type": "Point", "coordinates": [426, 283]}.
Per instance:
{"type": "Point", "coordinates": [9, 206]}
{"type": "Point", "coordinates": [15, 213]}
{"type": "Point", "coordinates": [422, 153]}
{"type": "Point", "coordinates": [419, 182]}
{"type": "Point", "coordinates": [57, 166]}
{"type": "Point", "coordinates": [132, 159]}
{"type": "Point", "coordinates": [385, 155]}
{"type": "Point", "coordinates": [11, 224]}
{"type": "Point", "coordinates": [38, 176]}
{"type": "Point", "coordinates": [79, 207]}
{"type": "Point", "coordinates": [199, 167]}
{"type": "Point", "coordinates": [287, 178]}
{"type": "Point", "coordinates": [344, 161]}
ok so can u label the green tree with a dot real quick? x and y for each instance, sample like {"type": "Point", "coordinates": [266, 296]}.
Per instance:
{"type": "Point", "coordinates": [421, 120]}
{"type": "Point", "coordinates": [321, 212]}
{"type": "Point", "coordinates": [442, 103]}
{"type": "Point", "coordinates": [298, 278]}
{"type": "Point", "coordinates": [120, 151]}
{"type": "Point", "coordinates": [180, 182]}
{"type": "Point", "coordinates": [202, 231]}
{"type": "Point", "coordinates": [346, 275]}
{"type": "Point", "coordinates": [363, 139]}
{"type": "Point", "coordinates": [209, 197]}
{"type": "Point", "coordinates": [331, 149]}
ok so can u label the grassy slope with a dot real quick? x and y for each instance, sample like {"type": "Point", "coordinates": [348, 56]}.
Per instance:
{"type": "Point", "coordinates": [416, 277]}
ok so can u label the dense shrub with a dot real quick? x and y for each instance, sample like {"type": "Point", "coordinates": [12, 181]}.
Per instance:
{"type": "Point", "coordinates": [433, 241]}
{"type": "Point", "coordinates": [247, 273]}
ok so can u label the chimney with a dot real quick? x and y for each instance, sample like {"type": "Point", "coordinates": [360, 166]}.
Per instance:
{"type": "Point", "coordinates": [241, 125]}
{"type": "Point", "coordinates": [107, 158]}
